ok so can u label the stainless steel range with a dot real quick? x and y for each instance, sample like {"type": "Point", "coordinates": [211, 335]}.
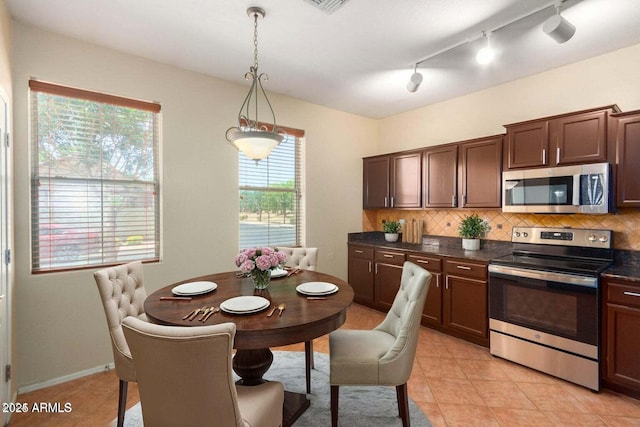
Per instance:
{"type": "Point", "coordinates": [544, 301]}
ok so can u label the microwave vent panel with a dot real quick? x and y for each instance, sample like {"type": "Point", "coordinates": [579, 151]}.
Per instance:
{"type": "Point", "coordinates": [328, 6]}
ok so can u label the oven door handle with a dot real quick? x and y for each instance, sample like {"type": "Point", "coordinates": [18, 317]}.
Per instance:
{"type": "Point", "coordinates": [550, 276]}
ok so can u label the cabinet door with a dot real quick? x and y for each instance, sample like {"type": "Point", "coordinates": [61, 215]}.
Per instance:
{"type": "Point", "coordinates": [527, 145]}
{"type": "Point", "coordinates": [440, 177]}
{"type": "Point", "coordinates": [406, 181]}
{"type": "Point", "coordinates": [481, 174]}
{"type": "Point", "coordinates": [361, 279]}
{"type": "Point", "coordinates": [623, 345]}
{"type": "Point", "coordinates": [432, 313]}
{"type": "Point", "coordinates": [465, 306]}
{"type": "Point", "coordinates": [375, 191]}
{"type": "Point", "coordinates": [580, 138]}
{"type": "Point", "coordinates": [628, 159]}
{"type": "Point", "coordinates": [387, 283]}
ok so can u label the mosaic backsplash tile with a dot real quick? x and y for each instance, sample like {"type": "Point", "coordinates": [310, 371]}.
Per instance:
{"type": "Point", "coordinates": [625, 223]}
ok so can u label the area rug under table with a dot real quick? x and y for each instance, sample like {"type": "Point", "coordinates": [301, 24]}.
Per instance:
{"type": "Point", "coordinates": [359, 406]}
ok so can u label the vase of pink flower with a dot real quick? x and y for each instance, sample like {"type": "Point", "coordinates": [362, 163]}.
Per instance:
{"type": "Point", "coordinates": [258, 263]}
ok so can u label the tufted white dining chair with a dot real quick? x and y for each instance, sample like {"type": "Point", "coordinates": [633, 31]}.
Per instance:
{"type": "Point", "coordinates": [384, 355]}
{"type": "Point", "coordinates": [185, 378]}
{"type": "Point", "coordinates": [122, 293]}
{"type": "Point", "coordinates": [304, 259]}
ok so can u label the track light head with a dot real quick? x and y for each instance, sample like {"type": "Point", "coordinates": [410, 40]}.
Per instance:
{"type": "Point", "coordinates": [414, 82]}
{"type": "Point", "coordinates": [487, 53]}
{"type": "Point", "coordinates": [558, 28]}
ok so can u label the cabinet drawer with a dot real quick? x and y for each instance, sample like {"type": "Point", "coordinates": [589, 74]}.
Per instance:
{"type": "Point", "coordinates": [428, 263]}
{"type": "Point", "coordinates": [389, 257]}
{"type": "Point", "coordinates": [466, 269]}
{"type": "Point", "coordinates": [361, 252]}
{"type": "Point", "coordinates": [623, 294]}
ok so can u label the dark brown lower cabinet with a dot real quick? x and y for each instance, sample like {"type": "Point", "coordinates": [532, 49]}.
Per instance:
{"type": "Point", "coordinates": [621, 336]}
{"type": "Point", "coordinates": [432, 313]}
{"type": "Point", "coordinates": [464, 300]}
{"type": "Point", "coordinates": [361, 273]}
{"type": "Point", "coordinates": [388, 273]}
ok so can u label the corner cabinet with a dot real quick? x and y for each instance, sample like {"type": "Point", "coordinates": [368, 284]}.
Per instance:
{"type": "Point", "coordinates": [393, 181]}
{"type": "Point", "coordinates": [621, 336]}
{"type": "Point", "coordinates": [627, 149]}
{"type": "Point", "coordinates": [574, 138]}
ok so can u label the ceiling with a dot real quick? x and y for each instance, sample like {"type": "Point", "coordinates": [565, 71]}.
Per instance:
{"type": "Point", "coordinates": [356, 59]}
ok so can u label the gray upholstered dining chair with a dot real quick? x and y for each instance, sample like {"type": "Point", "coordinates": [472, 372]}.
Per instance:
{"type": "Point", "coordinates": [122, 294]}
{"type": "Point", "coordinates": [185, 378]}
{"type": "Point", "coordinates": [303, 259]}
{"type": "Point", "coordinates": [384, 355]}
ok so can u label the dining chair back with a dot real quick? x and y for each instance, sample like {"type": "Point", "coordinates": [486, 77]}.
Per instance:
{"type": "Point", "coordinates": [384, 355]}
{"type": "Point", "coordinates": [185, 378]}
{"type": "Point", "coordinates": [122, 294]}
{"type": "Point", "coordinates": [303, 259]}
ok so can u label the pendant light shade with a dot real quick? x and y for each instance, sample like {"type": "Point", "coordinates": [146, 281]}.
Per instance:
{"type": "Point", "coordinates": [252, 137]}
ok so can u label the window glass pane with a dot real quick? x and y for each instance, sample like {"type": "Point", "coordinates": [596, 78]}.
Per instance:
{"type": "Point", "coordinates": [270, 197]}
{"type": "Point", "coordinates": [94, 183]}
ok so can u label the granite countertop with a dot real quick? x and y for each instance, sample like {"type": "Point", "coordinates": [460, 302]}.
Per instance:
{"type": "Point", "coordinates": [436, 245]}
{"type": "Point", "coordinates": [626, 266]}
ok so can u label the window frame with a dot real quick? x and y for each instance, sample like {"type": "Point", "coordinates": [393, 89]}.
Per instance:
{"type": "Point", "coordinates": [299, 197]}
{"type": "Point", "coordinates": [154, 182]}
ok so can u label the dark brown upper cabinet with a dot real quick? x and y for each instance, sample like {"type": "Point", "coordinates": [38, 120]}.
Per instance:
{"type": "Point", "coordinates": [627, 155]}
{"type": "Point", "coordinates": [481, 173]}
{"type": "Point", "coordinates": [440, 165]}
{"type": "Point", "coordinates": [463, 175]}
{"type": "Point", "coordinates": [568, 139]}
{"type": "Point", "coordinates": [393, 181]}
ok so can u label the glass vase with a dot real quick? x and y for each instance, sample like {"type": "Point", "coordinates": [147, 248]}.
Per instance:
{"type": "Point", "coordinates": [261, 279]}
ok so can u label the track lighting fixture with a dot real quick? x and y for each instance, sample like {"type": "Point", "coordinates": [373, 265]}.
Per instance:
{"type": "Point", "coordinates": [557, 27]}
{"type": "Point", "coordinates": [415, 80]}
{"type": "Point", "coordinates": [486, 54]}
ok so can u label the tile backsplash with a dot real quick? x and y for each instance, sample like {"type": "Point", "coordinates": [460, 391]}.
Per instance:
{"type": "Point", "coordinates": [625, 223]}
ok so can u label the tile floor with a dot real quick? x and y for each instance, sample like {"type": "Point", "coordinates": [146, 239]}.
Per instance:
{"type": "Point", "coordinates": [454, 382]}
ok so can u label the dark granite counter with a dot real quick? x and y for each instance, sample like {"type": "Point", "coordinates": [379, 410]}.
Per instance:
{"type": "Point", "coordinates": [626, 266]}
{"type": "Point", "coordinates": [435, 245]}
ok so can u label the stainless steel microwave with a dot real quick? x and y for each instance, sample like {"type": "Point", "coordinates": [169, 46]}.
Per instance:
{"type": "Point", "coordinates": [565, 189]}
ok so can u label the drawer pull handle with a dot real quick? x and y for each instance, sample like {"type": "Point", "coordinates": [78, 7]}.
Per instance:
{"type": "Point", "coordinates": [422, 261]}
{"type": "Point", "coordinates": [358, 251]}
{"type": "Point", "coordinates": [388, 256]}
{"type": "Point", "coordinates": [633, 294]}
{"type": "Point", "coordinates": [463, 267]}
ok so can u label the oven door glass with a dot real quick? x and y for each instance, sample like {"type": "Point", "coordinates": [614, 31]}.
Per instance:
{"type": "Point", "coordinates": [551, 191]}
{"type": "Point", "coordinates": [566, 310]}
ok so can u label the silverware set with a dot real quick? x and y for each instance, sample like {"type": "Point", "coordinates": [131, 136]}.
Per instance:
{"type": "Point", "coordinates": [280, 307]}
{"type": "Point", "coordinates": [204, 312]}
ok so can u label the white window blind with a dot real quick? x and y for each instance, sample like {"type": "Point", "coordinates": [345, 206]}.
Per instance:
{"type": "Point", "coordinates": [95, 185]}
{"type": "Point", "coordinates": [271, 207]}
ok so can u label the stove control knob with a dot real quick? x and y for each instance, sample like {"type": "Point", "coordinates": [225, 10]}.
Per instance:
{"type": "Point", "coordinates": [603, 238]}
{"type": "Point", "coordinates": [517, 234]}
{"type": "Point", "coordinates": [592, 238]}
{"type": "Point", "coordinates": [525, 234]}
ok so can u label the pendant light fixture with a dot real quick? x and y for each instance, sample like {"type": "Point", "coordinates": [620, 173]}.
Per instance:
{"type": "Point", "coordinates": [252, 137]}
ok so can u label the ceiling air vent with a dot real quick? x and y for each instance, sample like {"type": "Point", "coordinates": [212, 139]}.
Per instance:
{"type": "Point", "coordinates": [328, 6]}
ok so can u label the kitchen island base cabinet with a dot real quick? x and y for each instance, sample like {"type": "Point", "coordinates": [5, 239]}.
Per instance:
{"type": "Point", "coordinates": [621, 361]}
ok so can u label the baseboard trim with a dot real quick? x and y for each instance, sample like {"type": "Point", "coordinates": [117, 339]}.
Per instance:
{"type": "Point", "coordinates": [65, 378]}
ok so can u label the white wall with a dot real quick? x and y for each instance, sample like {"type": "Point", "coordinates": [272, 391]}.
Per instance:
{"type": "Point", "coordinates": [604, 80]}
{"type": "Point", "coordinates": [61, 328]}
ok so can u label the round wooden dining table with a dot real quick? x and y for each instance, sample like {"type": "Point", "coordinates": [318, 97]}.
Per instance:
{"type": "Point", "coordinates": [303, 319]}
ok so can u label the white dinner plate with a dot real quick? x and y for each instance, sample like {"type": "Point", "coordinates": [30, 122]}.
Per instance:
{"type": "Point", "coordinates": [194, 288]}
{"type": "Point", "coordinates": [244, 304]}
{"type": "Point", "coordinates": [278, 272]}
{"type": "Point", "coordinates": [316, 288]}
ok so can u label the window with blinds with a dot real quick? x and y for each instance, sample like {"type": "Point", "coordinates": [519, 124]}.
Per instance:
{"type": "Point", "coordinates": [95, 178]}
{"type": "Point", "coordinates": [271, 208]}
